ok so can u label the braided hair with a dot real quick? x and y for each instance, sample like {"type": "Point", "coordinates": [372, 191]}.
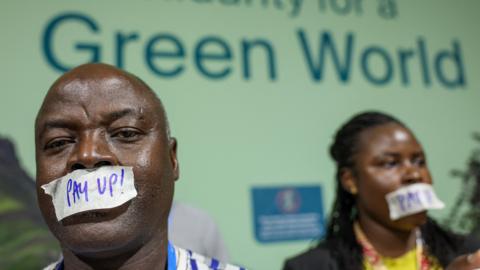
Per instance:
{"type": "Point", "coordinates": [340, 238]}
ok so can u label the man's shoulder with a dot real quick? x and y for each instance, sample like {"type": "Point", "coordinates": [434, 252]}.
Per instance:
{"type": "Point", "coordinates": [185, 260]}
{"type": "Point", "coordinates": [318, 257]}
{"type": "Point", "coordinates": [189, 260]}
{"type": "Point", "coordinates": [53, 266]}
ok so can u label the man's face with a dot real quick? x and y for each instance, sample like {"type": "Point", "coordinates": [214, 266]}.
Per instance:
{"type": "Point", "coordinates": [103, 117]}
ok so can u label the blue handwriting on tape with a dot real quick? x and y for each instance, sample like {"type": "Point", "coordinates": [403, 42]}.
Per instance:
{"type": "Point", "coordinates": [78, 188]}
{"type": "Point", "coordinates": [414, 199]}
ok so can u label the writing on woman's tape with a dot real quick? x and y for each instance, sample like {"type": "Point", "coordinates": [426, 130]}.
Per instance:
{"type": "Point", "coordinates": [412, 199]}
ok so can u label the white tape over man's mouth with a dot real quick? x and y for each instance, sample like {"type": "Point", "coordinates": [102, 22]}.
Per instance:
{"type": "Point", "coordinates": [412, 199]}
{"type": "Point", "coordinates": [83, 190]}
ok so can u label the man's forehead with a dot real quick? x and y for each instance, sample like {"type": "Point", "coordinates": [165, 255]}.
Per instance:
{"type": "Point", "coordinates": [93, 102]}
{"type": "Point", "coordinates": [94, 85]}
{"type": "Point", "coordinates": [98, 92]}
{"type": "Point", "coordinates": [96, 88]}
{"type": "Point", "coordinates": [93, 77]}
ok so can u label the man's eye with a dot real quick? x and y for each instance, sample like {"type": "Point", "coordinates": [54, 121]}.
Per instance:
{"type": "Point", "coordinates": [56, 144]}
{"type": "Point", "coordinates": [127, 134]}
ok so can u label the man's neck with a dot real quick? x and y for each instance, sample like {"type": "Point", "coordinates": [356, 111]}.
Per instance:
{"type": "Point", "coordinates": [151, 255]}
{"type": "Point", "coordinates": [387, 242]}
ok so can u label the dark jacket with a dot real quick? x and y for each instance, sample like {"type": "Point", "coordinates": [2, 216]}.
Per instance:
{"type": "Point", "coordinates": [321, 258]}
{"type": "Point", "coordinates": [318, 258]}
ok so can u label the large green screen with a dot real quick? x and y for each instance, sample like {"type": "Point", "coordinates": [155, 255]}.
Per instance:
{"type": "Point", "coordinates": [255, 89]}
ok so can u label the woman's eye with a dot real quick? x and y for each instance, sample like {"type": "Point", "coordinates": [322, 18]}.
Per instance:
{"type": "Point", "coordinates": [419, 161]}
{"type": "Point", "coordinates": [388, 163]}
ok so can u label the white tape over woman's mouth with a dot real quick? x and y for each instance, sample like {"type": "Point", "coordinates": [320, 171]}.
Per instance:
{"type": "Point", "coordinates": [412, 199]}
{"type": "Point", "coordinates": [84, 190]}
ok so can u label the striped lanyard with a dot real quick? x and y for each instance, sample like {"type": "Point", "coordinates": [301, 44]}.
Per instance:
{"type": "Point", "coordinates": [375, 260]}
{"type": "Point", "coordinates": [171, 257]}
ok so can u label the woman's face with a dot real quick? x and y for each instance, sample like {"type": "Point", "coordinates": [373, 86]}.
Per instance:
{"type": "Point", "coordinates": [388, 157]}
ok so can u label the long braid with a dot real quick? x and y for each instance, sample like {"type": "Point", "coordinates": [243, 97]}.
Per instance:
{"type": "Point", "coordinates": [340, 236]}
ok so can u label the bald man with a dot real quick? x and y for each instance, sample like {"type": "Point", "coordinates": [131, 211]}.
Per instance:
{"type": "Point", "coordinates": [96, 124]}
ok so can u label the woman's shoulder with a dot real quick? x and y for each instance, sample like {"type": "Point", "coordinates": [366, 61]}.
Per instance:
{"type": "Point", "coordinates": [318, 258]}
{"type": "Point", "coordinates": [471, 243]}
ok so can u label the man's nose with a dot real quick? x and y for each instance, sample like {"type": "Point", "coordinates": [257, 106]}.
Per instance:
{"type": "Point", "coordinates": [91, 151]}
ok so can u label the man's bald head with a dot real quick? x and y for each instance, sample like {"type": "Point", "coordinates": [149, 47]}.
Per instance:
{"type": "Point", "coordinates": [91, 77]}
{"type": "Point", "coordinates": [97, 115]}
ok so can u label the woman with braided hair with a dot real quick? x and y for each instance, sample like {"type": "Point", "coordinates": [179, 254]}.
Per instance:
{"type": "Point", "coordinates": [377, 155]}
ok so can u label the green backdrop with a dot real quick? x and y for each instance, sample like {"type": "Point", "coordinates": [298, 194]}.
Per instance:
{"type": "Point", "coordinates": [248, 97]}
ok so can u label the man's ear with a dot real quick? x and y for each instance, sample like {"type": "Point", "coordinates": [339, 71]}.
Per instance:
{"type": "Point", "coordinates": [348, 180]}
{"type": "Point", "coordinates": [172, 145]}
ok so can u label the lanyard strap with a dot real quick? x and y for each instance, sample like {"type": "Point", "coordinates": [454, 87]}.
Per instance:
{"type": "Point", "coordinates": [375, 260]}
{"type": "Point", "coordinates": [172, 258]}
